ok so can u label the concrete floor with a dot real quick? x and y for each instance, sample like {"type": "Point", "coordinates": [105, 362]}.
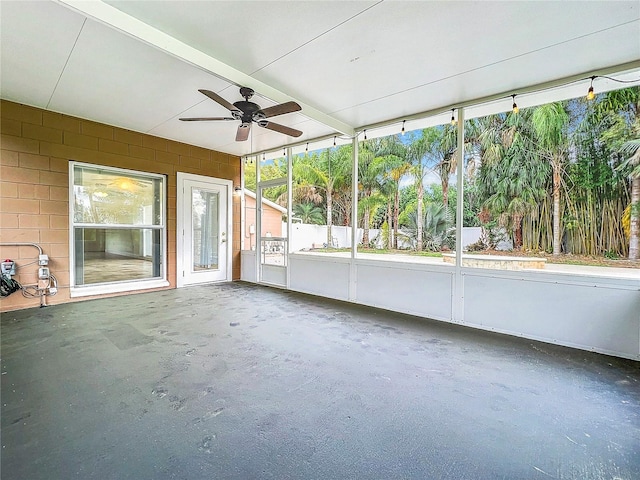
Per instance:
{"type": "Point", "coordinates": [238, 381]}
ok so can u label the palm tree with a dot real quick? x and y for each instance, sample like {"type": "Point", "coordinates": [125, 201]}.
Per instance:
{"type": "Point", "coordinates": [622, 109]}
{"type": "Point", "coordinates": [371, 166]}
{"type": "Point", "coordinates": [421, 152]}
{"type": "Point", "coordinates": [632, 165]}
{"type": "Point", "coordinates": [550, 122]}
{"type": "Point", "coordinates": [511, 178]}
{"type": "Point", "coordinates": [308, 213]}
{"type": "Point", "coordinates": [438, 228]}
{"type": "Point", "coordinates": [447, 146]}
{"type": "Point", "coordinates": [396, 167]}
{"type": "Point", "coordinates": [328, 171]}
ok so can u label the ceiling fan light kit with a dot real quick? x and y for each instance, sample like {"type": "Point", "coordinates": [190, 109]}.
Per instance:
{"type": "Point", "coordinates": [247, 112]}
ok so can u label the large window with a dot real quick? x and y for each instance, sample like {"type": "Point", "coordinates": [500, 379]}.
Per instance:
{"type": "Point", "coordinates": [118, 228]}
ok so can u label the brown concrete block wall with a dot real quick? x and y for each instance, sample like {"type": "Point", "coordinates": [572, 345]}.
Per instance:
{"type": "Point", "coordinates": [35, 149]}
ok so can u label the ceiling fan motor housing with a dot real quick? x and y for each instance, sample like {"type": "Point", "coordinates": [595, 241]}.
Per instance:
{"type": "Point", "coordinates": [248, 111]}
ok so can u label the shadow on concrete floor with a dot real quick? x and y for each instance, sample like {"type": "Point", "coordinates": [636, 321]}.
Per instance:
{"type": "Point", "coordinates": [237, 381]}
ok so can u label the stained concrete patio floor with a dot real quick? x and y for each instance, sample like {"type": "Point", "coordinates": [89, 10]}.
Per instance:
{"type": "Point", "coordinates": [237, 381]}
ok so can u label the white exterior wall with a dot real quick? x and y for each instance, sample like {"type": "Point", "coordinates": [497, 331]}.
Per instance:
{"type": "Point", "coordinates": [304, 236]}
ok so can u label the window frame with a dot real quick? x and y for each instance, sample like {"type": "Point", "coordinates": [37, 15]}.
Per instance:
{"type": "Point", "coordinates": [125, 285]}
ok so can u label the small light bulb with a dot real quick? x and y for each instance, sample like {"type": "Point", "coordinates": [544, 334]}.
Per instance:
{"type": "Point", "coordinates": [403, 126]}
{"type": "Point", "coordinates": [365, 134]}
{"type": "Point", "coordinates": [453, 118]}
{"type": "Point", "coordinates": [515, 105]}
{"type": "Point", "coordinates": [306, 149]}
{"type": "Point", "coordinates": [591, 94]}
{"type": "Point", "coordinates": [334, 141]}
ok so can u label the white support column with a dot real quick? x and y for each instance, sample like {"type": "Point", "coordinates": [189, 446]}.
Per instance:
{"type": "Point", "coordinates": [458, 290]}
{"type": "Point", "coordinates": [354, 221]}
{"type": "Point", "coordinates": [289, 211]}
{"type": "Point", "coordinates": [258, 219]}
{"type": "Point", "coordinates": [243, 219]}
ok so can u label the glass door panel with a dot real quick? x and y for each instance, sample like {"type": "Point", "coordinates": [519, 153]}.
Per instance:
{"type": "Point", "coordinates": [205, 232]}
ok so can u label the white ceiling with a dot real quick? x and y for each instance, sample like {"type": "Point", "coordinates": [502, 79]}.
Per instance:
{"type": "Point", "coordinates": [350, 64]}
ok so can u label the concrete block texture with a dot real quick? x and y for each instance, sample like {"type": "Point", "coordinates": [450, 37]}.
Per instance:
{"type": "Point", "coordinates": [36, 148]}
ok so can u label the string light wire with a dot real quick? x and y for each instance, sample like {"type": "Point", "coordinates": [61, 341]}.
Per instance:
{"type": "Point", "coordinates": [515, 107]}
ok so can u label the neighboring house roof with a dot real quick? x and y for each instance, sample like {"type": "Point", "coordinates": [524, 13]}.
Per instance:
{"type": "Point", "coordinates": [265, 201]}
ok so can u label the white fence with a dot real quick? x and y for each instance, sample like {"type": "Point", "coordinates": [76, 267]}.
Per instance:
{"type": "Point", "coordinates": [305, 236]}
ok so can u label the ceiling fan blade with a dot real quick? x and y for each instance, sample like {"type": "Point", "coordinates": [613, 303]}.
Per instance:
{"type": "Point", "coordinates": [243, 132]}
{"type": "Point", "coordinates": [281, 109]}
{"type": "Point", "coordinates": [204, 119]}
{"type": "Point", "coordinates": [218, 99]}
{"type": "Point", "coordinates": [276, 127]}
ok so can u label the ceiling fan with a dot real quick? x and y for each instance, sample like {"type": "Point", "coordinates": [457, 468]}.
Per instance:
{"type": "Point", "coordinates": [248, 112]}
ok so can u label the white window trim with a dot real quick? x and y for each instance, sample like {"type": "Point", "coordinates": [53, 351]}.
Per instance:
{"type": "Point", "coordinates": [125, 286]}
{"type": "Point", "coordinates": [105, 288]}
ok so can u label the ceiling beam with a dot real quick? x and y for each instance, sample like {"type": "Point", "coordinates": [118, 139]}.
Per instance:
{"type": "Point", "coordinates": [135, 28]}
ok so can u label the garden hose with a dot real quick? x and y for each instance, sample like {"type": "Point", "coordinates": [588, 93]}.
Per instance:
{"type": "Point", "coordinates": [8, 285]}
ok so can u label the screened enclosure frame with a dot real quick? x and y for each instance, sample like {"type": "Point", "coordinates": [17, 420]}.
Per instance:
{"type": "Point", "coordinates": [578, 307]}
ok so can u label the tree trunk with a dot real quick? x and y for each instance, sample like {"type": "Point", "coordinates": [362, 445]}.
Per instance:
{"type": "Point", "coordinates": [365, 228]}
{"type": "Point", "coordinates": [390, 233]}
{"type": "Point", "coordinates": [634, 242]}
{"type": "Point", "coordinates": [366, 220]}
{"type": "Point", "coordinates": [556, 207]}
{"type": "Point", "coordinates": [419, 215]}
{"type": "Point", "coordinates": [517, 233]}
{"type": "Point", "coordinates": [634, 214]}
{"type": "Point", "coordinates": [396, 214]}
{"type": "Point", "coordinates": [445, 191]}
{"type": "Point", "coordinates": [329, 218]}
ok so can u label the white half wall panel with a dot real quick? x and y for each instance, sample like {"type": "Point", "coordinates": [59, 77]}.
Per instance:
{"type": "Point", "coordinates": [320, 275]}
{"type": "Point", "coordinates": [405, 288]}
{"type": "Point", "coordinates": [590, 313]}
{"type": "Point", "coordinates": [248, 266]}
{"type": "Point", "coordinates": [597, 313]}
{"type": "Point", "coordinates": [275, 275]}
